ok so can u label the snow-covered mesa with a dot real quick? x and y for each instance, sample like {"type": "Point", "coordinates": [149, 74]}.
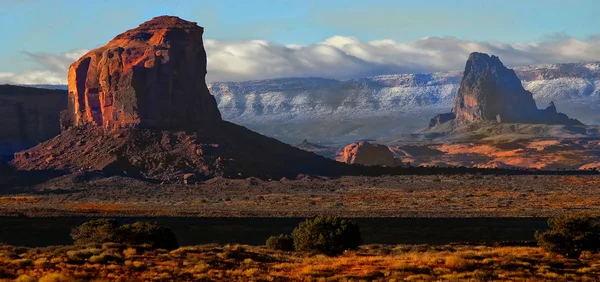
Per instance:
{"type": "Point", "coordinates": [310, 99]}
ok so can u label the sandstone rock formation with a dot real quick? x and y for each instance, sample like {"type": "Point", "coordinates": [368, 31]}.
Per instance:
{"type": "Point", "coordinates": [28, 116]}
{"type": "Point", "coordinates": [139, 106]}
{"type": "Point", "coordinates": [491, 92]}
{"type": "Point", "coordinates": [152, 76]}
{"type": "Point", "coordinates": [366, 153]}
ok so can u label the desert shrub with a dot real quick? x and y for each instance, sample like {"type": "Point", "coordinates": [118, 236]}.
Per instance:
{"type": "Point", "coordinates": [281, 242]}
{"type": "Point", "coordinates": [42, 262]}
{"type": "Point", "coordinates": [329, 235]}
{"type": "Point", "coordinates": [130, 252]}
{"type": "Point", "coordinates": [570, 235]}
{"type": "Point", "coordinates": [96, 231]}
{"type": "Point", "coordinates": [55, 277]}
{"type": "Point", "coordinates": [83, 254]}
{"type": "Point", "coordinates": [138, 233]}
{"type": "Point", "coordinates": [26, 278]}
{"type": "Point", "coordinates": [151, 233]}
{"type": "Point", "coordinates": [22, 262]}
{"type": "Point", "coordinates": [105, 258]}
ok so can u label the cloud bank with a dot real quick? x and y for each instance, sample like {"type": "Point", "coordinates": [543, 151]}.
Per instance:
{"type": "Point", "coordinates": [340, 57]}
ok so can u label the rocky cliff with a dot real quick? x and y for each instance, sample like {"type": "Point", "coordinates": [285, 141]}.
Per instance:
{"type": "Point", "coordinates": [28, 116]}
{"type": "Point", "coordinates": [152, 76]}
{"type": "Point", "coordinates": [139, 106]}
{"type": "Point", "coordinates": [491, 92]}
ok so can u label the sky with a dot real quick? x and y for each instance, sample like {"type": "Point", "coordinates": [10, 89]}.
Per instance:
{"type": "Point", "coordinates": [259, 39]}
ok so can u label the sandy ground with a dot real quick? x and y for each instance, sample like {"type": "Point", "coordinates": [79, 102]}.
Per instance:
{"type": "Point", "coordinates": [388, 196]}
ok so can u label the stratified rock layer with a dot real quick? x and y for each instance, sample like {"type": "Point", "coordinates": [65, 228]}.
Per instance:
{"type": "Point", "coordinates": [28, 116]}
{"type": "Point", "coordinates": [491, 92]}
{"type": "Point", "coordinates": [366, 153]}
{"type": "Point", "coordinates": [152, 76]}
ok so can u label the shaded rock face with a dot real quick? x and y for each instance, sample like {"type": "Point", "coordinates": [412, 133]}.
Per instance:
{"type": "Point", "coordinates": [489, 89]}
{"type": "Point", "coordinates": [28, 116]}
{"type": "Point", "coordinates": [222, 149]}
{"type": "Point", "coordinates": [491, 92]}
{"type": "Point", "coordinates": [152, 76]}
{"type": "Point", "coordinates": [366, 153]}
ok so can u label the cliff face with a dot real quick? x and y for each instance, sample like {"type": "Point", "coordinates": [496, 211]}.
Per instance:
{"type": "Point", "coordinates": [491, 92]}
{"type": "Point", "coordinates": [152, 76]}
{"type": "Point", "coordinates": [28, 116]}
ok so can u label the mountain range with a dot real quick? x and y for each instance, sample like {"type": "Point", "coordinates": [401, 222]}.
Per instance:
{"type": "Point", "coordinates": [330, 111]}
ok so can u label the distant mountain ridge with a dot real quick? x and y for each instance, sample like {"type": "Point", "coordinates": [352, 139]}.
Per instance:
{"type": "Point", "coordinates": [312, 98]}
{"type": "Point", "coordinates": [307, 103]}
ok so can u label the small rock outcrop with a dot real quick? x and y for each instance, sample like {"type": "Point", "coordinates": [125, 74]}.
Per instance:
{"type": "Point", "coordinates": [491, 92]}
{"type": "Point", "coordinates": [152, 76]}
{"type": "Point", "coordinates": [366, 153]}
{"type": "Point", "coordinates": [139, 106]}
{"type": "Point", "coordinates": [441, 118]}
{"type": "Point", "coordinates": [28, 116]}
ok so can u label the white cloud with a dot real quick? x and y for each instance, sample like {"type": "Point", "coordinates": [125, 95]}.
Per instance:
{"type": "Point", "coordinates": [342, 57]}
{"type": "Point", "coordinates": [52, 69]}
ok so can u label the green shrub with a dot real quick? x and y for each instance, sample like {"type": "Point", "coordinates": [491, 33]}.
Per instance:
{"type": "Point", "coordinates": [570, 235]}
{"type": "Point", "coordinates": [331, 236]}
{"type": "Point", "coordinates": [138, 233]}
{"type": "Point", "coordinates": [159, 237]}
{"type": "Point", "coordinates": [96, 231]}
{"type": "Point", "coordinates": [281, 242]}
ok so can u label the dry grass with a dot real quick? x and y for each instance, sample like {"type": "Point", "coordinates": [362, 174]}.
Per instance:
{"type": "Point", "coordinates": [114, 262]}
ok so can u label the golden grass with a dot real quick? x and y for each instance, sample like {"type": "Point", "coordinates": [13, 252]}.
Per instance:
{"type": "Point", "coordinates": [115, 262]}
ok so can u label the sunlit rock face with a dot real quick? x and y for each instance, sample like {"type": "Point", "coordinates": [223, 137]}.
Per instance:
{"type": "Point", "coordinates": [152, 76]}
{"type": "Point", "coordinates": [366, 153]}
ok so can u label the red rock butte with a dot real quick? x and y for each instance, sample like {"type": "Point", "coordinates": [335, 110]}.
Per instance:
{"type": "Point", "coordinates": [152, 76]}
{"type": "Point", "coordinates": [139, 107]}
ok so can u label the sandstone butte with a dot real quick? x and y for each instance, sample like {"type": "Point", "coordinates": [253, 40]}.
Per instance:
{"type": "Point", "coordinates": [366, 153]}
{"type": "Point", "coordinates": [139, 106]}
{"type": "Point", "coordinates": [152, 76]}
{"type": "Point", "coordinates": [489, 91]}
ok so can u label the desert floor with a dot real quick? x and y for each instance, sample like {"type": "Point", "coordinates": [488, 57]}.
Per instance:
{"type": "Point", "coordinates": [388, 196]}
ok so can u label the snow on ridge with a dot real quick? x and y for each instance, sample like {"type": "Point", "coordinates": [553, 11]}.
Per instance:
{"type": "Point", "coordinates": [300, 99]}
{"type": "Point", "coordinates": [304, 99]}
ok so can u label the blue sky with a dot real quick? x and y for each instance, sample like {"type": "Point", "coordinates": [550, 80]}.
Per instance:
{"type": "Point", "coordinates": [54, 26]}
